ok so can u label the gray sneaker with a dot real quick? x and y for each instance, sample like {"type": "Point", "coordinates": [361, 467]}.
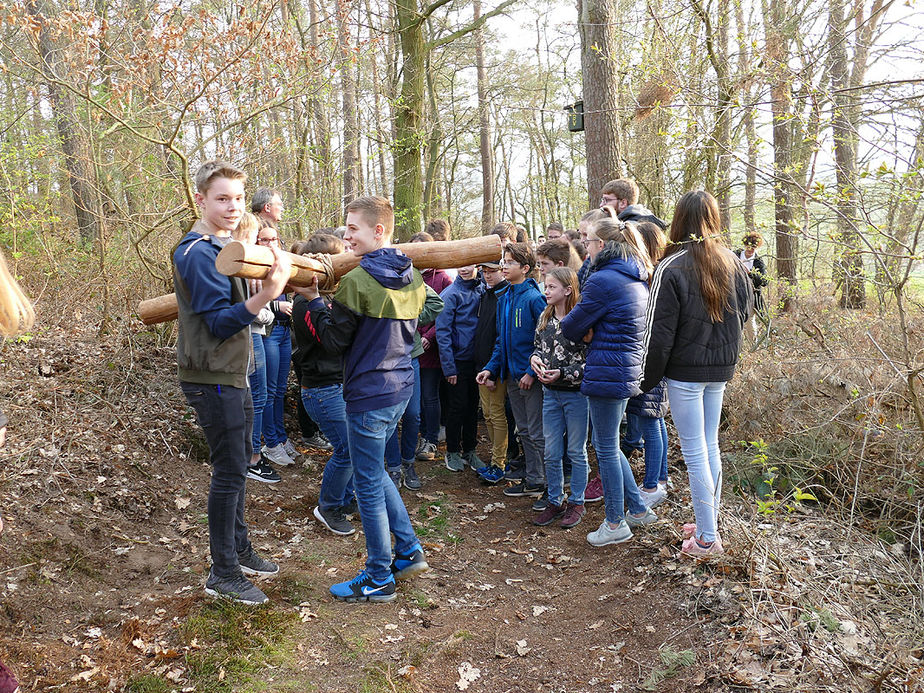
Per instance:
{"type": "Point", "coordinates": [471, 459]}
{"type": "Point", "coordinates": [411, 480]}
{"type": "Point", "coordinates": [278, 455]}
{"type": "Point", "coordinates": [454, 462]}
{"type": "Point", "coordinates": [395, 474]}
{"type": "Point", "coordinates": [425, 450]}
{"type": "Point", "coordinates": [253, 564]}
{"type": "Point", "coordinates": [289, 447]}
{"type": "Point", "coordinates": [318, 441]}
{"type": "Point", "coordinates": [335, 520]}
{"type": "Point", "coordinates": [604, 535]}
{"type": "Point", "coordinates": [237, 588]}
{"type": "Point", "coordinates": [646, 519]}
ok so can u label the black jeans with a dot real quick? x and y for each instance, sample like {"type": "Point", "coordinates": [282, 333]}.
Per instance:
{"type": "Point", "coordinates": [306, 424]}
{"type": "Point", "coordinates": [225, 414]}
{"type": "Point", "coordinates": [462, 409]}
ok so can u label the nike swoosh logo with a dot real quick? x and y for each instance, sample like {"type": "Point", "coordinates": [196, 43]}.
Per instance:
{"type": "Point", "coordinates": [372, 590]}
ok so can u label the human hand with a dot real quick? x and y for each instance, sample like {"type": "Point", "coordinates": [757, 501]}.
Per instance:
{"type": "Point", "coordinates": [483, 377]}
{"type": "Point", "coordinates": [425, 342]}
{"type": "Point", "coordinates": [537, 364]}
{"type": "Point", "coordinates": [526, 381]}
{"type": "Point", "coordinates": [286, 307]}
{"type": "Point", "coordinates": [279, 273]}
{"type": "Point", "coordinates": [551, 375]}
{"type": "Point", "coordinates": [452, 379]}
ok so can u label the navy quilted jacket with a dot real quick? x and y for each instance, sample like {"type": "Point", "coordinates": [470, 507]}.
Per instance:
{"type": "Point", "coordinates": [651, 404]}
{"type": "Point", "coordinates": [613, 302]}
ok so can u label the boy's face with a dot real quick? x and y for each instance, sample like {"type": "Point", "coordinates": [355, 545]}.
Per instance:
{"type": "Point", "coordinates": [222, 205]}
{"type": "Point", "coordinates": [514, 272]}
{"type": "Point", "coordinates": [545, 264]}
{"type": "Point", "coordinates": [554, 233]}
{"type": "Point", "coordinates": [492, 276]}
{"type": "Point", "coordinates": [268, 236]}
{"type": "Point", "coordinates": [361, 236]}
{"type": "Point", "coordinates": [468, 272]}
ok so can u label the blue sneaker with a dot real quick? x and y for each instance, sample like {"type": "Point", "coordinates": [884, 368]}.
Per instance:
{"type": "Point", "coordinates": [491, 474]}
{"type": "Point", "coordinates": [363, 588]}
{"type": "Point", "coordinates": [407, 565]}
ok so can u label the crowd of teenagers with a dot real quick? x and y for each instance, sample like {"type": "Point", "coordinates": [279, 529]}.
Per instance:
{"type": "Point", "coordinates": [555, 343]}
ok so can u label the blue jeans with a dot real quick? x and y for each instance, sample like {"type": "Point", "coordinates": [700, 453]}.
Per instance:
{"type": "Point", "coordinates": [410, 424]}
{"type": "Point", "coordinates": [430, 403]}
{"type": "Point", "coordinates": [619, 487]}
{"type": "Point", "coordinates": [380, 505]}
{"type": "Point", "coordinates": [564, 413]}
{"type": "Point", "coordinates": [633, 431]}
{"type": "Point", "coordinates": [695, 408]}
{"type": "Point", "coordinates": [326, 407]}
{"type": "Point", "coordinates": [225, 414]}
{"type": "Point", "coordinates": [258, 389]}
{"type": "Point", "coordinates": [654, 432]}
{"type": "Point", "coordinates": [278, 347]}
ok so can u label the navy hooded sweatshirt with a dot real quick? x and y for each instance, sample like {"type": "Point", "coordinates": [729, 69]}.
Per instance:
{"type": "Point", "coordinates": [372, 321]}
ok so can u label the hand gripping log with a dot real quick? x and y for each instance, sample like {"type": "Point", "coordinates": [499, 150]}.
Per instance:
{"type": "Point", "coordinates": [253, 262]}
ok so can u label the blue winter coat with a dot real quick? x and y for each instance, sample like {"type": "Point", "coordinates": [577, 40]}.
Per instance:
{"type": "Point", "coordinates": [613, 302]}
{"type": "Point", "coordinates": [651, 404]}
{"type": "Point", "coordinates": [518, 311]}
{"type": "Point", "coordinates": [456, 325]}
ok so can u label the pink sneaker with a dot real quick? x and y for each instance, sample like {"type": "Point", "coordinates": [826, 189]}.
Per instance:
{"type": "Point", "coordinates": [688, 530]}
{"type": "Point", "coordinates": [594, 490]}
{"type": "Point", "coordinates": [692, 547]}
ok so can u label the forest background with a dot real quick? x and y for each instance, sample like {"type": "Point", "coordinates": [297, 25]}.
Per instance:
{"type": "Point", "coordinates": [804, 118]}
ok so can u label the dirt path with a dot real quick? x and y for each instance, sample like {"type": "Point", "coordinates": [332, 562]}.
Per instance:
{"type": "Point", "coordinates": [103, 561]}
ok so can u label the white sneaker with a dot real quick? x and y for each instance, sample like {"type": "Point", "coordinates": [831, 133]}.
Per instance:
{"type": "Point", "coordinates": [289, 447]}
{"type": "Point", "coordinates": [278, 455]}
{"type": "Point", "coordinates": [648, 518]}
{"type": "Point", "coordinates": [653, 498]}
{"type": "Point", "coordinates": [604, 535]}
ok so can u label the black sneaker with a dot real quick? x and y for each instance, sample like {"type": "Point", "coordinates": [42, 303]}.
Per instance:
{"type": "Point", "coordinates": [363, 588]}
{"type": "Point", "coordinates": [542, 502]}
{"type": "Point", "coordinates": [411, 480]}
{"type": "Point", "coordinates": [317, 441]}
{"type": "Point", "coordinates": [334, 520]}
{"type": "Point", "coordinates": [237, 588]}
{"type": "Point", "coordinates": [253, 564]}
{"type": "Point", "coordinates": [524, 489]}
{"type": "Point", "coordinates": [395, 475]}
{"type": "Point", "coordinates": [407, 565]}
{"type": "Point", "coordinates": [351, 508]}
{"type": "Point", "coordinates": [262, 471]}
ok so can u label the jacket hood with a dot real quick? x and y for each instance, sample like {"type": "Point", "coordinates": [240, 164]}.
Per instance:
{"type": "Point", "coordinates": [616, 256]}
{"type": "Point", "coordinates": [522, 286]}
{"type": "Point", "coordinates": [639, 212]}
{"type": "Point", "coordinates": [389, 267]}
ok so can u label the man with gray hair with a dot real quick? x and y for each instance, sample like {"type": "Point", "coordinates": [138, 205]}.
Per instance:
{"type": "Point", "coordinates": [267, 205]}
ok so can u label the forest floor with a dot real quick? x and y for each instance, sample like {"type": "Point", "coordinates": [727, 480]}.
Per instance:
{"type": "Point", "coordinates": [104, 556]}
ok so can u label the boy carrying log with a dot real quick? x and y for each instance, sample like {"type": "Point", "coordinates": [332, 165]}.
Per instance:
{"type": "Point", "coordinates": [371, 321]}
{"type": "Point", "coordinates": [213, 359]}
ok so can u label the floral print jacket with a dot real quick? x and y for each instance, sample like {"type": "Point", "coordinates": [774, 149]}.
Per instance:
{"type": "Point", "coordinates": [557, 351]}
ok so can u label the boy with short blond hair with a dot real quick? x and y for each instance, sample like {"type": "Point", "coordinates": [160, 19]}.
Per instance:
{"type": "Point", "coordinates": [371, 321]}
{"type": "Point", "coordinates": [213, 362]}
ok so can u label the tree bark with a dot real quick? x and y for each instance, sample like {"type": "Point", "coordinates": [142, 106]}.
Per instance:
{"type": "Point", "coordinates": [597, 22]}
{"type": "Point", "coordinates": [484, 132]}
{"type": "Point", "coordinates": [62, 108]}
{"type": "Point", "coordinates": [348, 86]}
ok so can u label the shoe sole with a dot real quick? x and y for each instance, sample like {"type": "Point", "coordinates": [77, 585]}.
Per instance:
{"type": "Point", "coordinates": [453, 469]}
{"type": "Point", "coordinates": [412, 570]}
{"type": "Point", "coordinates": [489, 481]}
{"type": "Point", "coordinates": [255, 477]}
{"type": "Point", "coordinates": [320, 518]}
{"type": "Point", "coordinates": [373, 598]}
{"type": "Point", "coordinates": [593, 500]}
{"type": "Point", "coordinates": [412, 488]}
{"type": "Point", "coordinates": [258, 573]}
{"type": "Point", "coordinates": [610, 543]}
{"type": "Point", "coordinates": [524, 494]}
{"type": "Point", "coordinates": [218, 595]}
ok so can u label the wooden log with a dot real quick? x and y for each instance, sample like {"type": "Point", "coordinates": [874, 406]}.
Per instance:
{"type": "Point", "coordinates": [238, 259]}
{"type": "Point", "coordinates": [253, 262]}
{"type": "Point", "coordinates": [157, 310]}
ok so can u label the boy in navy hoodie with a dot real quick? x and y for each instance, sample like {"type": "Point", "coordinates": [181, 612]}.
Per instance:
{"type": "Point", "coordinates": [455, 335]}
{"type": "Point", "coordinates": [213, 354]}
{"type": "Point", "coordinates": [371, 321]}
{"type": "Point", "coordinates": [518, 311]}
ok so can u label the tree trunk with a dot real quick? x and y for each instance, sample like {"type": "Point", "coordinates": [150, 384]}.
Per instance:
{"type": "Point", "coordinates": [787, 248]}
{"type": "Point", "coordinates": [598, 26]}
{"type": "Point", "coordinates": [62, 108]}
{"type": "Point", "coordinates": [348, 86]}
{"type": "Point", "coordinates": [484, 130]}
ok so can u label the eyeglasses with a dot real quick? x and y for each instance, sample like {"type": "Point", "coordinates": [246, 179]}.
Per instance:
{"type": "Point", "coordinates": [274, 239]}
{"type": "Point", "coordinates": [587, 241]}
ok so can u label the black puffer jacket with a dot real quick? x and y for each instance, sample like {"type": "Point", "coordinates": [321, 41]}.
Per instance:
{"type": "Point", "coordinates": [486, 329]}
{"type": "Point", "coordinates": [681, 341]}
